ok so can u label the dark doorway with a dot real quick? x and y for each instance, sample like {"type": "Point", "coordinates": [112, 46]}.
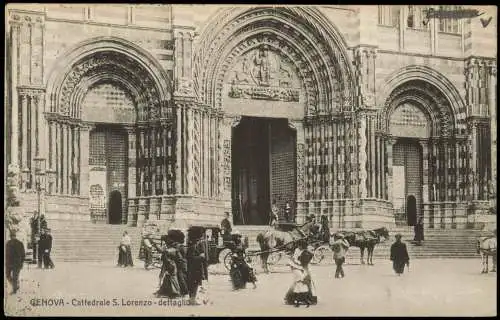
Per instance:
{"type": "Point", "coordinates": [263, 168]}
{"type": "Point", "coordinates": [411, 210]}
{"type": "Point", "coordinates": [115, 207]}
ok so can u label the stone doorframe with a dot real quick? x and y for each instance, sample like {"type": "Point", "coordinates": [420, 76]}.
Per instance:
{"type": "Point", "coordinates": [232, 121]}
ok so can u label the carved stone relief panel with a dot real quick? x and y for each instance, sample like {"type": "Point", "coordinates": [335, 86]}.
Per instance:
{"type": "Point", "coordinates": [264, 74]}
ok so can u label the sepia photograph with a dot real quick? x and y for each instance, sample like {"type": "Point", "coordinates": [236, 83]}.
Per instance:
{"type": "Point", "coordinates": [250, 160]}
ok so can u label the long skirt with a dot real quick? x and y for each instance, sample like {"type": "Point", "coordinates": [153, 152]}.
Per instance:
{"type": "Point", "coordinates": [182, 279]}
{"type": "Point", "coordinates": [302, 290]}
{"type": "Point", "coordinates": [399, 266]}
{"type": "Point", "coordinates": [125, 256]}
{"type": "Point", "coordinates": [241, 274]}
{"type": "Point", "coordinates": [169, 286]}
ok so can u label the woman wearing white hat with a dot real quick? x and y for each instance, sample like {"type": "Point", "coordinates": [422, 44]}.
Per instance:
{"type": "Point", "coordinates": [302, 289]}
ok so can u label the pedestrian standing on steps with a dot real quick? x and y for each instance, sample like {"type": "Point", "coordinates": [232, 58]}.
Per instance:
{"type": "Point", "coordinates": [288, 212]}
{"type": "Point", "coordinates": [14, 256]}
{"type": "Point", "coordinates": [419, 231]}
{"type": "Point", "coordinates": [399, 255]}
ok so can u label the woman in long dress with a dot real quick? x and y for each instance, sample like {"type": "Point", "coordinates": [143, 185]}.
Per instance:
{"type": "Point", "coordinates": [241, 273]}
{"type": "Point", "coordinates": [180, 260]}
{"type": "Point", "coordinates": [125, 252]}
{"type": "Point", "coordinates": [302, 290]}
{"type": "Point", "coordinates": [196, 263]}
{"type": "Point", "coordinates": [169, 284]}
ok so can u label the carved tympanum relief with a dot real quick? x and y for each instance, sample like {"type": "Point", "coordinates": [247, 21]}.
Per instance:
{"type": "Point", "coordinates": [264, 74]}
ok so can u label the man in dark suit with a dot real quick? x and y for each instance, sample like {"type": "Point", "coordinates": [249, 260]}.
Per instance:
{"type": "Point", "coordinates": [399, 255]}
{"type": "Point", "coordinates": [14, 255]}
{"type": "Point", "coordinates": [45, 249]}
{"type": "Point", "coordinates": [226, 228]}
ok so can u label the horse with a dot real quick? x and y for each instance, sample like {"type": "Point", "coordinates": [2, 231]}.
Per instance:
{"type": "Point", "coordinates": [364, 240]}
{"type": "Point", "coordinates": [280, 240]}
{"type": "Point", "coordinates": [487, 246]}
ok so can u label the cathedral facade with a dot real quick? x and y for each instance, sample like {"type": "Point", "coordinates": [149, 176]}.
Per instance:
{"type": "Point", "coordinates": [371, 115]}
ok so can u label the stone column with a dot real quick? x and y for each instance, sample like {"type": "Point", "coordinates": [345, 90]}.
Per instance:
{"type": "Point", "coordinates": [14, 146]}
{"type": "Point", "coordinates": [300, 158]}
{"type": "Point", "coordinates": [24, 139]}
{"type": "Point", "coordinates": [33, 136]}
{"type": "Point", "coordinates": [363, 175]}
{"type": "Point", "coordinates": [220, 155]}
{"type": "Point", "coordinates": [230, 122]}
{"type": "Point", "coordinates": [424, 143]}
{"type": "Point", "coordinates": [178, 150]}
{"type": "Point", "coordinates": [132, 161]}
{"type": "Point", "coordinates": [84, 159]}
{"type": "Point", "coordinates": [493, 122]}
{"type": "Point", "coordinates": [390, 142]}
{"type": "Point", "coordinates": [475, 187]}
{"type": "Point", "coordinates": [189, 150]}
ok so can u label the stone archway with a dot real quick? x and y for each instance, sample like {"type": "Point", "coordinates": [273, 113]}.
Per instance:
{"type": "Point", "coordinates": [112, 85]}
{"type": "Point", "coordinates": [308, 77]}
{"type": "Point", "coordinates": [418, 112]}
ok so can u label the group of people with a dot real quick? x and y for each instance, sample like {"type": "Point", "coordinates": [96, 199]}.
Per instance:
{"type": "Point", "coordinates": [274, 216]}
{"type": "Point", "coordinates": [15, 251]}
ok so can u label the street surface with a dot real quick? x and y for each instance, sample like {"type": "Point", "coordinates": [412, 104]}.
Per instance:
{"type": "Point", "coordinates": [432, 287]}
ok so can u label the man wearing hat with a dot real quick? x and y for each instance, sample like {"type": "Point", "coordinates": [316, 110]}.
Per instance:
{"type": "Point", "coordinates": [14, 256]}
{"type": "Point", "coordinates": [399, 255]}
{"type": "Point", "coordinates": [46, 248]}
{"type": "Point", "coordinates": [197, 266]}
{"type": "Point", "coordinates": [339, 248]}
{"type": "Point", "coordinates": [226, 228]}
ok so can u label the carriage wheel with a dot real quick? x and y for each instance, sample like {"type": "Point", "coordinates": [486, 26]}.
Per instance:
{"type": "Point", "coordinates": [226, 260]}
{"type": "Point", "coordinates": [320, 253]}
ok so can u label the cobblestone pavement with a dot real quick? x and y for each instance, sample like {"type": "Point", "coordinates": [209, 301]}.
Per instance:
{"type": "Point", "coordinates": [432, 287]}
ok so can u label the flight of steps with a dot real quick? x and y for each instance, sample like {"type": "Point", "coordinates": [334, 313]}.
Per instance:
{"type": "Point", "coordinates": [85, 241]}
{"type": "Point", "coordinates": [439, 243]}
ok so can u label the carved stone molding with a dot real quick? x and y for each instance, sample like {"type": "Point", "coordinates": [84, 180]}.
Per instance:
{"type": "Point", "coordinates": [109, 64]}
{"type": "Point", "coordinates": [184, 88]}
{"type": "Point", "coordinates": [326, 80]}
{"type": "Point", "coordinates": [428, 97]}
{"type": "Point", "coordinates": [300, 171]}
{"type": "Point", "coordinates": [17, 17]}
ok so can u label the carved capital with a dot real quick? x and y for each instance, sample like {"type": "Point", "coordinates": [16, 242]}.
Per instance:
{"type": "Point", "coordinates": [391, 140]}
{"type": "Point", "coordinates": [232, 120]}
{"type": "Point", "coordinates": [184, 87]}
{"type": "Point", "coordinates": [86, 126]}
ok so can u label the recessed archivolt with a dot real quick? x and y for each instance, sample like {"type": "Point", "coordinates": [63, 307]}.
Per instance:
{"type": "Point", "coordinates": [427, 97]}
{"type": "Point", "coordinates": [436, 80]}
{"type": "Point", "coordinates": [316, 48]}
{"type": "Point", "coordinates": [109, 58]}
{"type": "Point", "coordinates": [111, 66]}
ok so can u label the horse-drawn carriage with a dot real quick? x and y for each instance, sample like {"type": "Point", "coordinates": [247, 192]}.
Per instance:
{"type": "Point", "coordinates": [217, 249]}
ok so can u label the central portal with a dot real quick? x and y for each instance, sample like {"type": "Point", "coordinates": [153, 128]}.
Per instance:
{"type": "Point", "coordinates": [263, 169]}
